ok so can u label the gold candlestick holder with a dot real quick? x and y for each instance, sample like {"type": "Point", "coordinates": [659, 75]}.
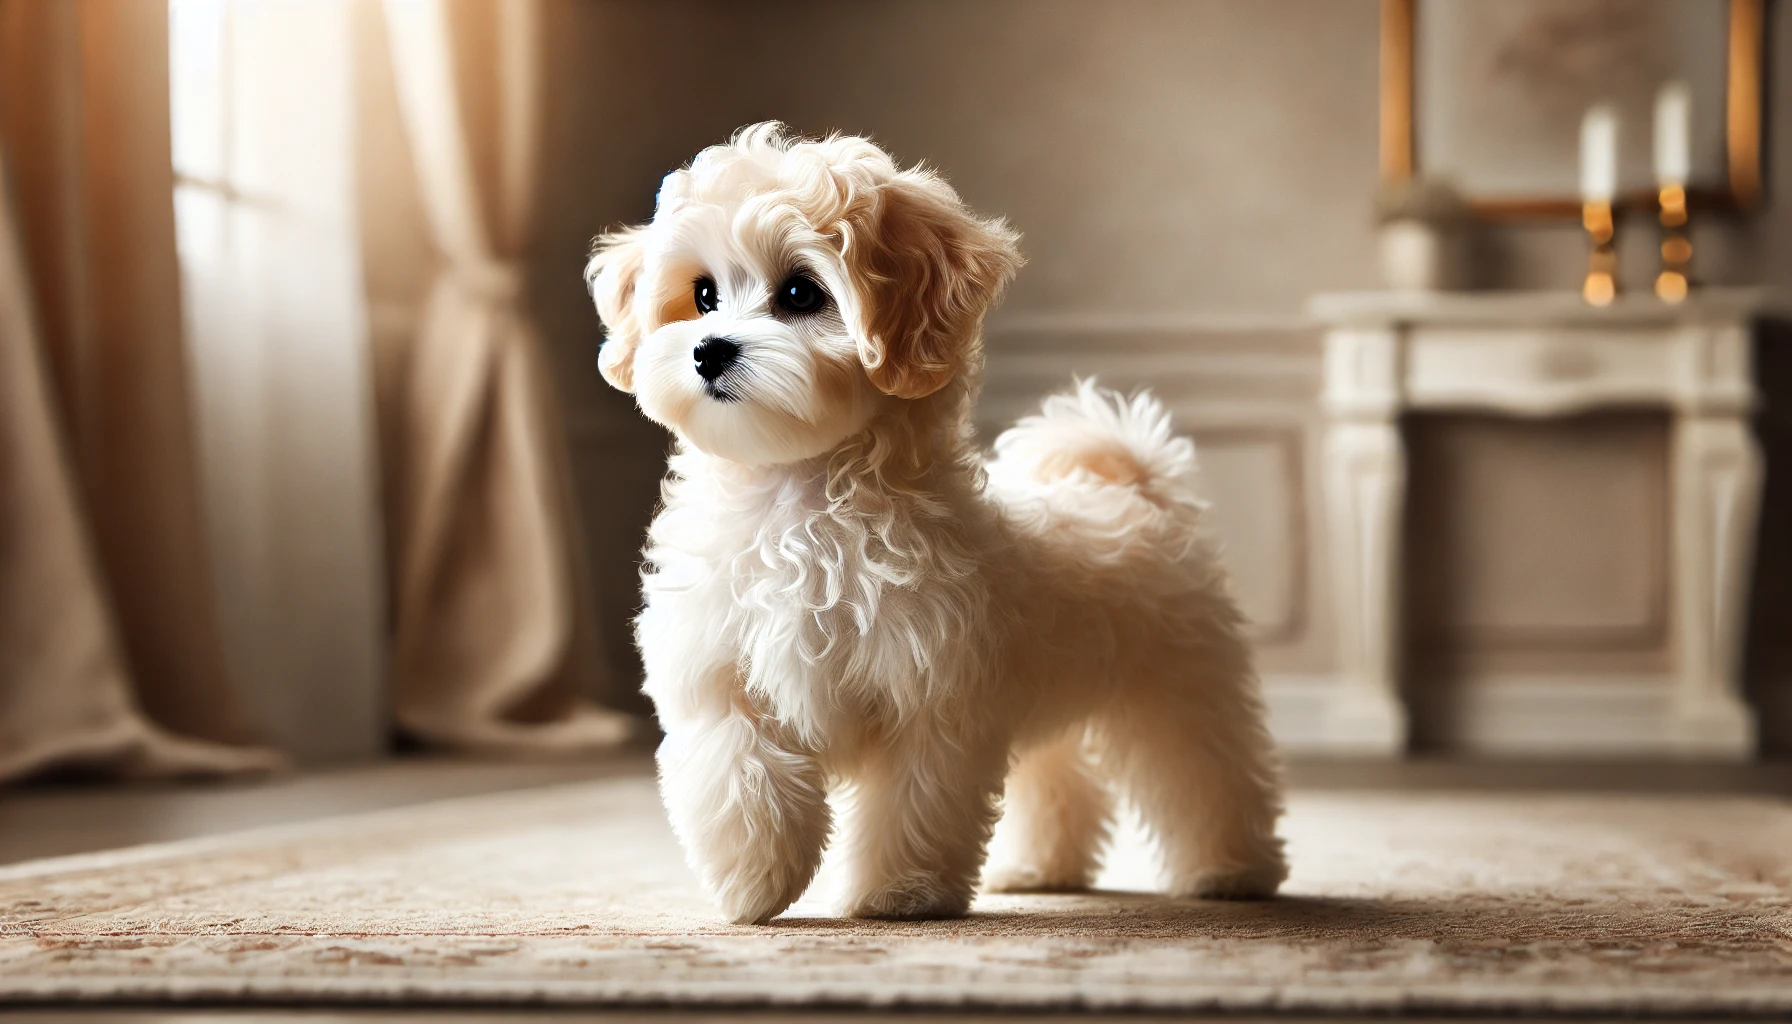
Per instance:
{"type": "Point", "coordinates": [1672, 284]}
{"type": "Point", "coordinates": [1601, 285]}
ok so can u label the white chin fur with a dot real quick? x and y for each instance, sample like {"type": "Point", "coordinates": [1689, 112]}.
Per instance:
{"type": "Point", "coordinates": [789, 399]}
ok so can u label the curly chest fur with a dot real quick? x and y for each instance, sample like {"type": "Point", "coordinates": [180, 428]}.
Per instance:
{"type": "Point", "coordinates": [820, 597]}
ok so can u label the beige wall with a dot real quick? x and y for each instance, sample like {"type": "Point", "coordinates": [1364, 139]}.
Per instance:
{"type": "Point", "coordinates": [1161, 155]}
{"type": "Point", "coordinates": [1158, 154]}
{"type": "Point", "coordinates": [1185, 173]}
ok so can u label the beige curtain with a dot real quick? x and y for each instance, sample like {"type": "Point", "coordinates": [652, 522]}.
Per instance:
{"type": "Point", "coordinates": [109, 652]}
{"type": "Point", "coordinates": [494, 634]}
{"type": "Point", "coordinates": [264, 129]}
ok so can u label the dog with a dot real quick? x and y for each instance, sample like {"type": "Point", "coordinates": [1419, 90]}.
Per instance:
{"type": "Point", "coordinates": [843, 600]}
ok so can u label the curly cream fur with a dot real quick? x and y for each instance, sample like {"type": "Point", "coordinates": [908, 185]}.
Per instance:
{"type": "Point", "coordinates": [845, 605]}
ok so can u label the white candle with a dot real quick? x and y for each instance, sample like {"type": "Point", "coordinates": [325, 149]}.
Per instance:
{"type": "Point", "coordinates": [1673, 131]}
{"type": "Point", "coordinates": [1599, 154]}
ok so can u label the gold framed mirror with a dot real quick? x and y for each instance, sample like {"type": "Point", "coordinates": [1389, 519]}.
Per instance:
{"type": "Point", "coordinates": [1490, 96]}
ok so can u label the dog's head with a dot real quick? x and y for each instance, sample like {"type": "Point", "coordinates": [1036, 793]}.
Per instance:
{"type": "Point", "coordinates": [787, 291]}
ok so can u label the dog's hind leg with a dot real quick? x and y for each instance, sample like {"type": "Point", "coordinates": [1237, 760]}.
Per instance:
{"type": "Point", "coordinates": [1190, 748]}
{"type": "Point", "coordinates": [918, 818]}
{"type": "Point", "coordinates": [1055, 821]}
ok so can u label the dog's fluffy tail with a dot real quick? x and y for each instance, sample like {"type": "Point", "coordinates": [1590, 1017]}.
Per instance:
{"type": "Point", "coordinates": [1104, 472]}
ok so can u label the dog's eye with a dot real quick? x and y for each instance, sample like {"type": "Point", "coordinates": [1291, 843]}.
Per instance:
{"type": "Point", "coordinates": [800, 295]}
{"type": "Point", "coordinates": [704, 291]}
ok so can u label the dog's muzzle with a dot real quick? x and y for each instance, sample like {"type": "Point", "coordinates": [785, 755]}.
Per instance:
{"type": "Point", "coordinates": [714, 357]}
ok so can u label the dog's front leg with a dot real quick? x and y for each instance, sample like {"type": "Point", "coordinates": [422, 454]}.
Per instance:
{"type": "Point", "coordinates": [748, 804]}
{"type": "Point", "coordinates": [921, 810]}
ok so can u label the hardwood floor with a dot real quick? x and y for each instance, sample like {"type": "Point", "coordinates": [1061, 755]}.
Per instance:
{"type": "Point", "coordinates": [55, 820]}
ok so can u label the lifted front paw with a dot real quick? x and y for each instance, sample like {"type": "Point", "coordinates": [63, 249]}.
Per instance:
{"type": "Point", "coordinates": [762, 880]}
{"type": "Point", "coordinates": [759, 902]}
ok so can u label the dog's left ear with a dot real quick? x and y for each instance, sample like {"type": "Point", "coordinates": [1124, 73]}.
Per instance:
{"type": "Point", "coordinates": [924, 270]}
{"type": "Point", "coordinates": [612, 274]}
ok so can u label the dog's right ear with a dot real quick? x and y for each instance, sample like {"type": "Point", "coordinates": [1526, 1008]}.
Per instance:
{"type": "Point", "coordinates": [612, 273]}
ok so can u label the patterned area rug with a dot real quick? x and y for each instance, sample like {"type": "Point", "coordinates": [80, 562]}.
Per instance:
{"type": "Point", "coordinates": [577, 896]}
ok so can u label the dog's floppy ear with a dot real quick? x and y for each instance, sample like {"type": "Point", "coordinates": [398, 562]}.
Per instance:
{"type": "Point", "coordinates": [924, 270]}
{"type": "Point", "coordinates": [612, 274]}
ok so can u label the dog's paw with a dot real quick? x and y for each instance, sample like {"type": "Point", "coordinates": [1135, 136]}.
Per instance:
{"type": "Point", "coordinates": [1258, 882]}
{"type": "Point", "coordinates": [1032, 878]}
{"type": "Point", "coordinates": [915, 898]}
{"type": "Point", "coordinates": [755, 889]}
{"type": "Point", "coordinates": [756, 904]}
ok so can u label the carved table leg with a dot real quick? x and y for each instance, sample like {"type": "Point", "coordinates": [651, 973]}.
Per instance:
{"type": "Point", "coordinates": [1365, 487]}
{"type": "Point", "coordinates": [1717, 488]}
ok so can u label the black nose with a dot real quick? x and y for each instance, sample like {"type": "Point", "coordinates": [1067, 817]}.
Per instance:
{"type": "Point", "coordinates": [714, 356]}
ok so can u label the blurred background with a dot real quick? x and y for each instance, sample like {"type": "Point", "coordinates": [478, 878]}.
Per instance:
{"type": "Point", "coordinates": [304, 455]}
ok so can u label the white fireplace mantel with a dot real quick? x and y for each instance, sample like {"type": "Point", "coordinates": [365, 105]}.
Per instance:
{"type": "Point", "coordinates": [1538, 355]}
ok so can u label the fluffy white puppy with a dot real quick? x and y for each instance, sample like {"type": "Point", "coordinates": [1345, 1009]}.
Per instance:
{"type": "Point", "coordinates": [842, 597]}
